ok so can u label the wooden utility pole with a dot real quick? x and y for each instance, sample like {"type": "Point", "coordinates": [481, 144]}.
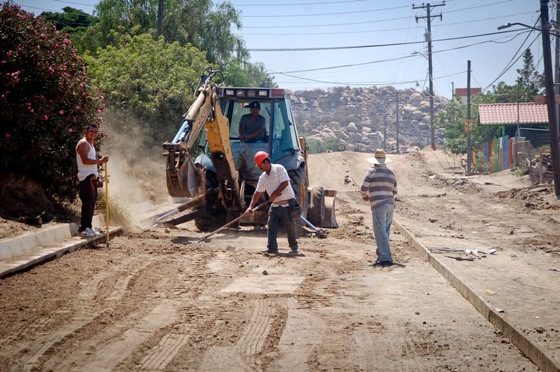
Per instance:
{"type": "Point", "coordinates": [469, 126]}
{"type": "Point", "coordinates": [160, 18]}
{"type": "Point", "coordinates": [428, 17]}
{"type": "Point", "coordinates": [550, 101]}
{"type": "Point", "coordinates": [398, 151]}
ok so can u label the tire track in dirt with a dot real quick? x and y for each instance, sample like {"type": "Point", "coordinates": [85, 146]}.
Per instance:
{"type": "Point", "coordinates": [159, 357]}
{"type": "Point", "coordinates": [81, 317]}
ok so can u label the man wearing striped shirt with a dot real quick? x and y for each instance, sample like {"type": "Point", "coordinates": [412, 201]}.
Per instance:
{"type": "Point", "coordinates": [379, 187]}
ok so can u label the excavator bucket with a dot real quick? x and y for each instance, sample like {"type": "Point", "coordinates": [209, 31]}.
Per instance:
{"type": "Point", "coordinates": [322, 211]}
{"type": "Point", "coordinates": [329, 218]}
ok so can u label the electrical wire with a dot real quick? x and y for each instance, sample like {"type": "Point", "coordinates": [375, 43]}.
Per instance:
{"type": "Point", "coordinates": [513, 60]}
{"type": "Point", "coordinates": [308, 49]}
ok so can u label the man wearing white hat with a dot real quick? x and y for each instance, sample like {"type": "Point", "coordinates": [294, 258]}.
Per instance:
{"type": "Point", "coordinates": [379, 187]}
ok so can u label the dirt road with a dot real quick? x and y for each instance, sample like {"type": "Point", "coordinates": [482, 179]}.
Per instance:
{"type": "Point", "coordinates": [155, 301]}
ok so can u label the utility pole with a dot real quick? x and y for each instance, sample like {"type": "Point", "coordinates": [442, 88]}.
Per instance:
{"type": "Point", "coordinates": [160, 18]}
{"type": "Point", "coordinates": [557, 62]}
{"type": "Point", "coordinates": [398, 151]}
{"type": "Point", "coordinates": [428, 37]}
{"type": "Point", "coordinates": [385, 132]}
{"type": "Point", "coordinates": [469, 127]}
{"type": "Point", "coordinates": [550, 97]}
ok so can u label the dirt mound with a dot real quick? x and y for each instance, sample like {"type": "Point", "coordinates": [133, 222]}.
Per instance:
{"type": "Point", "coordinates": [534, 198]}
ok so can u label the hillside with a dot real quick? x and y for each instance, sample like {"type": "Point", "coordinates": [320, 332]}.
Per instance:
{"type": "Point", "coordinates": [362, 118]}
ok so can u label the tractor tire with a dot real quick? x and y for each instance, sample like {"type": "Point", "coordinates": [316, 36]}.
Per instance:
{"type": "Point", "coordinates": [316, 213]}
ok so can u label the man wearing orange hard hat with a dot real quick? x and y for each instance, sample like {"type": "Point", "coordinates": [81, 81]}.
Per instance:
{"type": "Point", "coordinates": [276, 183]}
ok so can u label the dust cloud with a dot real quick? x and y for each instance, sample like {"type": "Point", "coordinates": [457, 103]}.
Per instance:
{"type": "Point", "coordinates": [136, 173]}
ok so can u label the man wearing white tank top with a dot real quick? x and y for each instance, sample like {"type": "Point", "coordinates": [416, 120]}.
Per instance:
{"type": "Point", "coordinates": [86, 157]}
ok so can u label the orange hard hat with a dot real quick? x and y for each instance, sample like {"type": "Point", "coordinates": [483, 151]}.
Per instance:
{"type": "Point", "coordinates": [260, 156]}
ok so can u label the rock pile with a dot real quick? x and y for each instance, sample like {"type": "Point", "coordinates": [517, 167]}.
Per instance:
{"type": "Point", "coordinates": [362, 119]}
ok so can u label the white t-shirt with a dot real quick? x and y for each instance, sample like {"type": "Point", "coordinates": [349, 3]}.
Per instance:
{"type": "Point", "coordinates": [270, 183]}
{"type": "Point", "coordinates": [85, 170]}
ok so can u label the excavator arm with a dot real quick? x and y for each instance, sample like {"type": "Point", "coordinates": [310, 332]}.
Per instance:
{"type": "Point", "coordinates": [186, 179]}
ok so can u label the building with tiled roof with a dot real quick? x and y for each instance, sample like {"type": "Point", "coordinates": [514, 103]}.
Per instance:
{"type": "Point", "coordinates": [523, 113]}
{"type": "Point", "coordinates": [462, 93]}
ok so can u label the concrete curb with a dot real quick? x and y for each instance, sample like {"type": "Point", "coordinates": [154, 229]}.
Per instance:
{"type": "Point", "coordinates": [537, 355]}
{"type": "Point", "coordinates": [34, 248]}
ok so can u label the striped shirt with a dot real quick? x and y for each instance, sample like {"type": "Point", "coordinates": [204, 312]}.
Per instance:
{"type": "Point", "coordinates": [380, 184]}
{"type": "Point", "coordinates": [278, 174]}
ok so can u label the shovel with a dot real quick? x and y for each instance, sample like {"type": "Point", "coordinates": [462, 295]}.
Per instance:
{"type": "Point", "coordinates": [107, 203]}
{"type": "Point", "coordinates": [321, 234]}
{"type": "Point", "coordinates": [230, 223]}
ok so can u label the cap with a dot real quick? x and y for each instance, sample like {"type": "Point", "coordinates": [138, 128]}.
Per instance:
{"type": "Point", "coordinates": [254, 104]}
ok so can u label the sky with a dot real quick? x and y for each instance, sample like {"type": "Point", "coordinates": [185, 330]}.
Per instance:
{"type": "Point", "coordinates": [308, 44]}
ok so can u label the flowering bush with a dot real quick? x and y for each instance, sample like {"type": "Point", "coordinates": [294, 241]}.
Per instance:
{"type": "Point", "coordinates": [46, 101]}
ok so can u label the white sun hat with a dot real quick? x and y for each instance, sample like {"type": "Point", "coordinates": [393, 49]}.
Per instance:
{"type": "Point", "coordinates": [379, 157]}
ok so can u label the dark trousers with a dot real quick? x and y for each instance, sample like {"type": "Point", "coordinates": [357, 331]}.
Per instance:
{"type": "Point", "coordinates": [88, 196]}
{"type": "Point", "coordinates": [281, 216]}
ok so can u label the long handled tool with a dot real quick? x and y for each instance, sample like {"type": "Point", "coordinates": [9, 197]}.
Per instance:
{"type": "Point", "coordinates": [321, 234]}
{"type": "Point", "coordinates": [107, 202]}
{"type": "Point", "coordinates": [230, 223]}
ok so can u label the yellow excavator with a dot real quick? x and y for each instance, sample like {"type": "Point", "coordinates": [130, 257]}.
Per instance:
{"type": "Point", "coordinates": [210, 164]}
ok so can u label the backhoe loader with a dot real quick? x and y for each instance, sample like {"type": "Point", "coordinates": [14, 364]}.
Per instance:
{"type": "Point", "coordinates": [208, 163]}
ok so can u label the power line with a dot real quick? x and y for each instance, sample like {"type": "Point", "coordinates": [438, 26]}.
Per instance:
{"type": "Point", "coordinates": [366, 31]}
{"type": "Point", "coordinates": [260, 16]}
{"type": "Point", "coordinates": [320, 14]}
{"type": "Point", "coordinates": [396, 58]}
{"type": "Point", "coordinates": [512, 61]}
{"type": "Point", "coordinates": [357, 83]}
{"type": "Point", "coordinates": [299, 4]}
{"type": "Point", "coordinates": [372, 45]}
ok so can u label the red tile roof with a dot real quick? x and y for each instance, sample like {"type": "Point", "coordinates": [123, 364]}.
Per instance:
{"type": "Point", "coordinates": [512, 113]}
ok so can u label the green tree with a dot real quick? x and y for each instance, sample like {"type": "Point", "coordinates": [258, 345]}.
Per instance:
{"type": "Point", "coordinates": [149, 82]}
{"type": "Point", "coordinates": [453, 120]}
{"type": "Point", "coordinates": [73, 21]}
{"type": "Point", "coordinates": [46, 100]}
{"type": "Point", "coordinates": [530, 82]}
{"type": "Point", "coordinates": [247, 75]}
{"type": "Point", "coordinates": [207, 26]}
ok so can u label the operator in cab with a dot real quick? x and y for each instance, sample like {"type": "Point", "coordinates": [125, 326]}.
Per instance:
{"type": "Point", "coordinates": [252, 126]}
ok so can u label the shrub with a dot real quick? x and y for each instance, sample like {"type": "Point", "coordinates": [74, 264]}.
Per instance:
{"type": "Point", "coordinates": [45, 102]}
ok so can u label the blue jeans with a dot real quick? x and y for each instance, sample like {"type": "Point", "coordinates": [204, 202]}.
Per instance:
{"type": "Point", "coordinates": [277, 215]}
{"type": "Point", "coordinates": [382, 219]}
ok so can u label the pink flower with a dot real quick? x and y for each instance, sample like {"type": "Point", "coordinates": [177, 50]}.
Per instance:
{"type": "Point", "coordinates": [70, 130]}
{"type": "Point", "coordinates": [61, 112]}
{"type": "Point", "coordinates": [8, 135]}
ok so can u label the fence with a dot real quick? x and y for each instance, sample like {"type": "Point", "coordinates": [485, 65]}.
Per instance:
{"type": "Point", "coordinates": [505, 152]}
